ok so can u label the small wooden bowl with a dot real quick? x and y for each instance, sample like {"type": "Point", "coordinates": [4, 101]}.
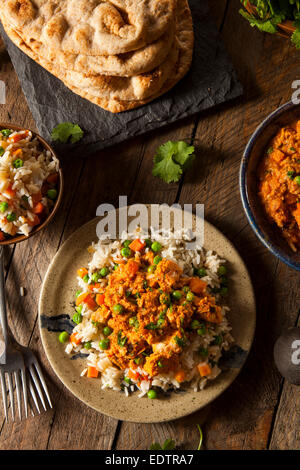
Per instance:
{"type": "Point", "coordinates": [20, 238]}
{"type": "Point", "coordinates": [286, 28]}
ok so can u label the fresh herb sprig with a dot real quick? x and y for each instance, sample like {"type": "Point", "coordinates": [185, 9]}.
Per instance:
{"type": "Point", "coordinates": [169, 444]}
{"type": "Point", "coordinates": [172, 159]}
{"type": "Point", "coordinates": [267, 14]}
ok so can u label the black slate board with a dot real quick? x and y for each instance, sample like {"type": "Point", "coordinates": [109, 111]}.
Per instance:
{"type": "Point", "coordinates": [211, 80]}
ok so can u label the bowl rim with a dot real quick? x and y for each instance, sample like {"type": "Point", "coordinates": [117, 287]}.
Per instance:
{"type": "Point", "coordinates": [20, 238]}
{"type": "Point", "coordinates": [279, 253]}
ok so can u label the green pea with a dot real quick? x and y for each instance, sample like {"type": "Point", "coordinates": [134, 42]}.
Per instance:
{"type": "Point", "coordinates": [52, 194]}
{"type": "Point", "coordinates": [86, 278]}
{"type": "Point", "coordinates": [1, 151]}
{"type": "Point", "coordinates": [160, 364]}
{"type": "Point", "coordinates": [126, 252]}
{"type": "Point", "coordinates": [218, 340]}
{"type": "Point", "coordinates": [157, 259]}
{"type": "Point", "coordinates": [203, 352]}
{"type": "Point", "coordinates": [151, 269]}
{"type": "Point", "coordinates": [88, 345]}
{"type": "Point", "coordinates": [152, 394]}
{"type": "Point", "coordinates": [195, 324]}
{"type": "Point", "coordinates": [127, 380]}
{"type": "Point", "coordinates": [107, 331]}
{"type": "Point", "coordinates": [104, 272]}
{"type": "Point", "coordinates": [156, 247]}
{"type": "Point", "coordinates": [104, 344]}
{"type": "Point", "coordinates": [63, 337]}
{"type": "Point", "coordinates": [79, 309]}
{"type": "Point", "coordinates": [201, 331]}
{"type": "Point", "coordinates": [95, 277]}
{"type": "Point", "coordinates": [78, 292]}
{"type": "Point", "coordinates": [3, 206]}
{"type": "Point", "coordinates": [223, 280]}
{"type": "Point", "coordinates": [116, 267]}
{"type": "Point", "coordinates": [11, 217]}
{"type": "Point", "coordinates": [201, 272]}
{"type": "Point", "coordinates": [6, 132]}
{"type": "Point", "coordinates": [190, 296]}
{"type": "Point", "coordinates": [118, 308]}
{"type": "Point", "coordinates": [224, 291]}
{"type": "Point", "coordinates": [126, 243]}
{"type": "Point", "coordinates": [77, 318]}
{"type": "Point", "coordinates": [222, 270]}
{"type": "Point", "coordinates": [133, 321]}
{"type": "Point", "coordinates": [297, 180]}
{"type": "Point", "coordinates": [177, 294]}
{"type": "Point", "coordinates": [18, 163]}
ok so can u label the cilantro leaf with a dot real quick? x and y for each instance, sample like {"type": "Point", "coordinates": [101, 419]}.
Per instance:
{"type": "Point", "coordinates": [169, 444]}
{"type": "Point", "coordinates": [296, 35]}
{"type": "Point", "coordinates": [155, 446]}
{"type": "Point", "coordinates": [65, 131]}
{"type": "Point", "coordinates": [171, 160]}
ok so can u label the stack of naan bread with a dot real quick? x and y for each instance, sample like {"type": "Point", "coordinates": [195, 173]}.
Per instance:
{"type": "Point", "coordinates": [119, 54]}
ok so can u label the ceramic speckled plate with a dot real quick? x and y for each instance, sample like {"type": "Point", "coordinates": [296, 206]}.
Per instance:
{"type": "Point", "coordinates": [56, 301]}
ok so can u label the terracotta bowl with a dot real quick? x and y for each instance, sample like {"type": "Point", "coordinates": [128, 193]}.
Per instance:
{"type": "Point", "coordinates": [19, 238]}
{"type": "Point", "coordinates": [267, 232]}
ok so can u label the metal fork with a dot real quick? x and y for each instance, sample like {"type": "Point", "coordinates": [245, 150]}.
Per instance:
{"type": "Point", "coordinates": [17, 358]}
{"type": "Point", "coordinates": [11, 360]}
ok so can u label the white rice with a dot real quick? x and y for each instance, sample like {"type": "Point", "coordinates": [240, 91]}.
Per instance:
{"type": "Point", "coordinates": [104, 254]}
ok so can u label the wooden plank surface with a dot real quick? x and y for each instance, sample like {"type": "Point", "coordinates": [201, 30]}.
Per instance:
{"type": "Point", "coordinates": [259, 410]}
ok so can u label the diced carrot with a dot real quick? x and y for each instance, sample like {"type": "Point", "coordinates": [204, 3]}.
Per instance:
{"type": "Point", "coordinates": [87, 299]}
{"type": "Point", "coordinates": [52, 179]}
{"type": "Point", "coordinates": [100, 299]}
{"type": "Point", "coordinates": [36, 197]}
{"type": "Point", "coordinates": [9, 192]}
{"type": "Point", "coordinates": [133, 375]}
{"type": "Point", "coordinates": [137, 245]}
{"type": "Point", "coordinates": [132, 267]}
{"type": "Point", "coordinates": [180, 376]}
{"type": "Point", "coordinates": [204, 369]}
{"type": "Point", "coordinates": [17, 137]}
{"type": "Point", "coordinates": [74, 339]}
{"type": "Point", "coordinates": [34, 222]}
{"type": "Point", "coordinates": [18, 153]}
{"type": "Point", "coordinates": [81, 272]}
{"type": "Point", "coordinates": [94, 286]}
{"type": "Point", "coordinates": [197, 286]}
{"type": "Point", "coordinates": [92, 372]}
{"type": "Point", "coordinates": [38, 208]}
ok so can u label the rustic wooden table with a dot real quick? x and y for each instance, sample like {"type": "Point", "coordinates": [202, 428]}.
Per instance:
{"type": "Point", "coordinates": [260, 410]}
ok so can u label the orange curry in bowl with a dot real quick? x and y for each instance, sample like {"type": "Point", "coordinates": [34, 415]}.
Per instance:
{"type": "Point", "coordinates": [279, 183]}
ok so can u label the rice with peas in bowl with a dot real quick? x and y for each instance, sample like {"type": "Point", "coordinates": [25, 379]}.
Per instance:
{"type": "Point", "coordinates": [28, 182]}
{"type": "Point", "coordinates": [150, 314]}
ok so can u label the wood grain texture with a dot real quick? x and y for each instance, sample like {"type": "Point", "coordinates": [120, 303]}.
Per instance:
{"type": "Point", "coordinates": [259, 410]}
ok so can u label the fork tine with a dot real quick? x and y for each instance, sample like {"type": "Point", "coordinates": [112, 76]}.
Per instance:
{"type": "Point", "coordinates": [4, 394]}
{"type": "Point", "coordinates": [33, 395]}
{"type": "Point", "coordinates": [25, 396]}
{"type": "Point", "coordinates": [11, 395]}
{"type": "Point", "coordinates": [41, 376]}
{"type": "Point", "coordinates": [37, 386]}
{"type": "Point", "coordinates": [18, 390]}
